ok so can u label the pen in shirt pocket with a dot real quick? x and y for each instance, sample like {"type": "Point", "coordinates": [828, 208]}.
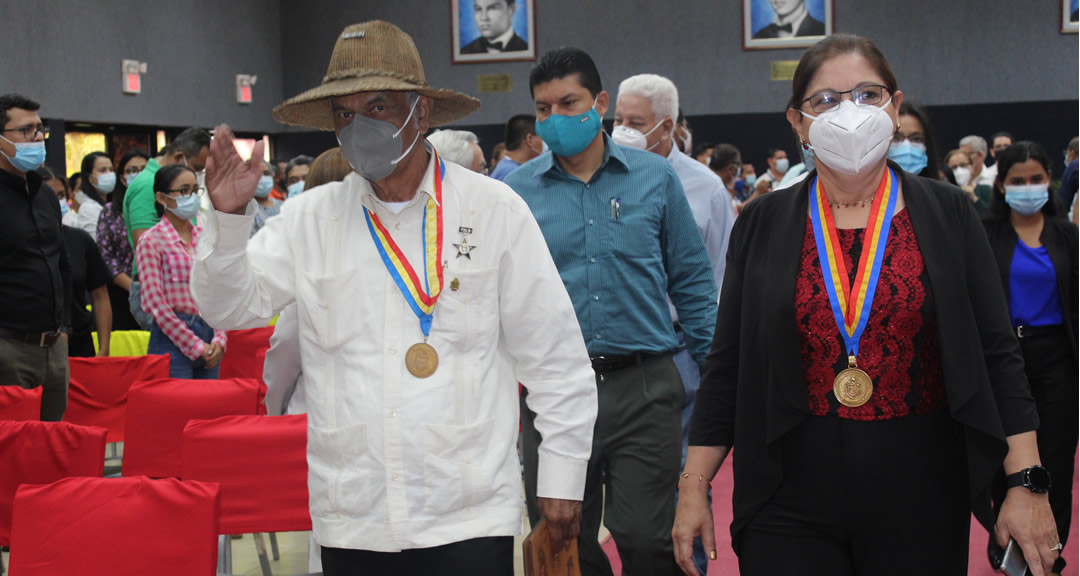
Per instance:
{"type": "Point", "coordinates": [616, 208]}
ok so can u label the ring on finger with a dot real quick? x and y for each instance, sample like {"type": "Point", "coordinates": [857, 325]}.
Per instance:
{"type": "Point", "coordinates": [1057, 548]}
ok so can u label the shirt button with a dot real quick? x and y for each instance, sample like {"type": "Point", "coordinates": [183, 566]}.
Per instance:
{"type": "Point", "coordinates": [590, 221]}
{"type": "Point", "coordinates": [592, 259]}
{"type": "Point", "coordinates": [397, 226]}
{"type": "Point", "coordinates": [587, 187]}
{"type": "Point", "coordinates": [468, 460]}
{"type": "Point", "coordinates": [394, 477]}
{"type": "Point", "coordinates": [392, 414]}
{"type": "Point", "coordinates": [595, 297]}
{"type": "Point", "coordinates": [597, 336]}
{"type": "Point", "coordinates": [393, 349]}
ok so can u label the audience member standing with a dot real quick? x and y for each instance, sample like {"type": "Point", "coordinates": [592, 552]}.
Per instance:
{"type": "Point", "coordinates": [913, 147]}
{"type": "Point", "coordinates": [35, 274]}
{"type": "Point", "coordinates": [89, 276]}
{"type": "Point", "coordinates": [522, 145]}
{"type": "Point", "coordinates": [460, 147]}
{"type": "Point", "coordinates": [166, 254]}
{"type": "Point", "coordinates": [113, 242]}
{"type": "Point", "coordinates": [296, 172]}
{"type": "Point", "coordinates": [97, 184]}
{"type": "Point", "coordinates": [621, 231]}
{"type": "Point", "coordinates": [1036, 251]}
{"type": "Point", "coordinates": [981, 174]}
{"type": "Point", "coordinates": [266, 207]}
{"type": "Point", "coordinates": [778, 163]}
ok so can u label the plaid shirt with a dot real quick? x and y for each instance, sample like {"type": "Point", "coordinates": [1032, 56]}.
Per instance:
{"type": "Point", "coordinates": [165, 262]}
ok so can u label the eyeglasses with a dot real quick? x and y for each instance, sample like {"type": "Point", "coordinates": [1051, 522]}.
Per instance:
{"type": "Point", "coordinates": [186, 190]}
{"type": "Point", "coordinates": [914, 138]}
{"type": "Point", "coordinates": [30, 132]}
{"type": "Point", "coordinates": [132, 170]}
{"type": "Point", "coordinates": [870, 95]}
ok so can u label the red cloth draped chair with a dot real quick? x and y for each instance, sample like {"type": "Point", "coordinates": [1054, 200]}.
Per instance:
{"type": "Point", "coordinates": [158, 410]}
{"type": "Point", "coordinates": [20, 404]}
{"type": "Point", "coordinates": [261, 464]}
{"type": "Point", "coordinates": [115, 526]}
{"type": "Point", "coordinates": [99, 389]}
{"type": "Point", "coordinates": [44, 452]}
{"type": "Point", "coordinates": [242, 359]}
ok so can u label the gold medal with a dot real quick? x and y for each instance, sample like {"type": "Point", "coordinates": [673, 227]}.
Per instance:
{"type": "Point", "coordinates": [852, 386]}
{"type": "Point", "coordinates": [421, 360]}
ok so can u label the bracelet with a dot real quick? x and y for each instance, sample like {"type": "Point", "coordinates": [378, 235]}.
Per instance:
{"type": "Point", "coordinates": [685, 475]}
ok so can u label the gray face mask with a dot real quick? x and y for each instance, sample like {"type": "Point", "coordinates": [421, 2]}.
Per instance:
{"type": "Point", "coordinates": [371, 146]}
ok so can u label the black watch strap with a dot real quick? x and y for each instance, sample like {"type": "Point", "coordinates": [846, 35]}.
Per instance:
{"type": "Point", "coordinates": [1035, 478]}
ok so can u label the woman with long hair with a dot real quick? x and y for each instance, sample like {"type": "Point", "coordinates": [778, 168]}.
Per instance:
{"type": "Point", "coordinates": [113, 242]}
{"type": "Point", "coordinates": [98, 182]}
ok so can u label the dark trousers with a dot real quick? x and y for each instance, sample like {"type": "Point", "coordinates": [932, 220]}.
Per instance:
{"type": "Point", "coordinates": [494, 556]}
{"type": "Point", "coordinates": [1051, 373]}
{"type": "Point", "coordinates": [29, 366]}
{"type": "Point", "coordinates": [635, 457]}
{"type": "Point", "coordinates": [121, 309]}
{"type": "Point", "coordinates": [865, 498]}
{"type": "Point", "coordinates": [81, 346]}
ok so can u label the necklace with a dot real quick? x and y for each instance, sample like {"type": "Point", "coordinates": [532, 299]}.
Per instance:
{"type": "Point", "coordinates": [858, 203]}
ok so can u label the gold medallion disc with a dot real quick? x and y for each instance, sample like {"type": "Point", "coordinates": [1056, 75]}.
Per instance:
{"type": "Point", "coordinates": [421, 360]}
{"type": "Point", "coordinates": [853, 387]}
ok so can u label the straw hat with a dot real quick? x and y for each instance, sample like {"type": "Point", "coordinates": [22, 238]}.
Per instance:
{"type": "Point", "coordinates": [372, 56]}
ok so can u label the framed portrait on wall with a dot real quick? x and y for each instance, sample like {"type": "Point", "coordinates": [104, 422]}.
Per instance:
{"type": "Point", "coordinates": [1070, 19]}
{"type": "Point", "coordinates": [785, 23]}
{"type": "Point", "coordinates": [492, 30]}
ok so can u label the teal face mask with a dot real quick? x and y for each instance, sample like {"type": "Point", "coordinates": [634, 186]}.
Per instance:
{"type": "Point", "coordinates": [569, 135]}
{"type": "Point", "coordinates": [28, 155]}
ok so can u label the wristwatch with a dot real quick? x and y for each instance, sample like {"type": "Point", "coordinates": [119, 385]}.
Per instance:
{"type": "Point", "coordinates": [1036, 479]}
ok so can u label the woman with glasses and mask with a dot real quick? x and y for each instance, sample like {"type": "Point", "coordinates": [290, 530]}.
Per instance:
{"type": "Point", "coordinates": [869, 373]}
{"type": "Point", "coordinates": [913, 147]}
{"type": "Point", "coordinates": [113, 242]}
{"type": "Point", "coordinates": [165, 255]}
{"type": "Point", "coordinates": [98, 182]}
{"type": "Point", "coordinates": [1036, 250]}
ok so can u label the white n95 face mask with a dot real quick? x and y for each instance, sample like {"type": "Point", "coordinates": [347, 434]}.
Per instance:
{"type": "Point", "coordinates": [627, 136]}
{"type": "Point", "coordinates": [851, 138]}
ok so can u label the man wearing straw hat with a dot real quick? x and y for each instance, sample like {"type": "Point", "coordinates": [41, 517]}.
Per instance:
{"type": "Point", "coordinates": [425, 292]}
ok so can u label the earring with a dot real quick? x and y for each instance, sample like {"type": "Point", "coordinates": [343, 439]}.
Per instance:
{"type": "Point", "coordinates": [805, 146]}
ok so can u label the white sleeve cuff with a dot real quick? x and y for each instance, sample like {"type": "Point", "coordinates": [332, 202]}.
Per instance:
{"type": "Point", "coordinates": [561, 478]}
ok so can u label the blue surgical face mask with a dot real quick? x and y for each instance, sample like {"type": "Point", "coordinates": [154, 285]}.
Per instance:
{"type": "Point", "coordinates": [568, 135]}
{"type": "Point", "coordinates": [809, 160]}
{"type": "Point", "coordinates": [64, 208]}
{"type": "Point", "coordinates": [1027, 199]}
{"type": "Point", "coordinates": [28, 155]}
{"type": "Point", "coordinates": [296, 189]}
{"type": "Point", "coordinates": [105, 183]}
{"type": "Point", "coordinates": [265, 185]}
{"type": "Point", "coordinates": [750, 179]}
{"type": "Point", "coordinates": [911, 156]}
{"type": "Point", "coordinates": [187, 207]}
{"type": "Point", "coordinates": [782, 166]}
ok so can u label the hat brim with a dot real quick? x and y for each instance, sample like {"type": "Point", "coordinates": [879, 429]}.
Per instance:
{"type": "Point", "coordinates": [311, 109]}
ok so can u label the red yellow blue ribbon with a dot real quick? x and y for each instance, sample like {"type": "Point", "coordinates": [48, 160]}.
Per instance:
{"type": "Point", "coordinates": [421, 300]}
{"type": "Point", "coordinates": [851, 305]}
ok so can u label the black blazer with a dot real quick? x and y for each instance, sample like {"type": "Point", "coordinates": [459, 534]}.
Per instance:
{"type": "Point", "coordinates": [753, 389]}
{"type": "Point", "coordinates": [1061, 240]}
{"type": "Point", "coordinates": [480, 45]}
{"type": "Point", "coordinates": [809, 27]}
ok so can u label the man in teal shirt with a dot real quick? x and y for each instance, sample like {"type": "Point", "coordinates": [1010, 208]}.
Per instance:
{"type": "Point", "coordinates": [621, 232]}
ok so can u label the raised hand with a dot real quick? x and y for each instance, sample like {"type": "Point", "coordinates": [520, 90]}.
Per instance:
{"type": "Point", "coordinates": [230, 181]}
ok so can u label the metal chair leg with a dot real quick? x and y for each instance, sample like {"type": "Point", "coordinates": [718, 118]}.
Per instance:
{"type": "Point", "coordinates": [260, 549]}
{"type": "Point", "coordinates": [224, 554]}
{"type": "Point", "coordinates": [274, 547]}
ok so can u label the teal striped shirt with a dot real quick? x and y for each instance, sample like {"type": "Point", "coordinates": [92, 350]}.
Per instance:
{"type": "Point", "coordinates": [622, 242]}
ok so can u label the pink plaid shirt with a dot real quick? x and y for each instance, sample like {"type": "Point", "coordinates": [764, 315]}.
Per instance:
{"type": "Point", "coordinates": [164, 262]}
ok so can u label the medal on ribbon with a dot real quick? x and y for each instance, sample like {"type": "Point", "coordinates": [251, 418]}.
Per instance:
{"type": "Point", "coordinates": [851, 304]}
{"type": "Point", "coordinates": [421, 358]}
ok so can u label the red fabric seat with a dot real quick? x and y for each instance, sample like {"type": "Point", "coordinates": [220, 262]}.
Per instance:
{"type": "Point", "coordinates": [115, 526]}
{"type": "Point", "coordinates": [99, 389]}
{"type": "Point", "coordinates": [242, 358]}
{"type": "Point", "coordinates": [20, 404]}
{"type": "Point", "coordinates": [158, 411]}
{"type": "Point", "coordinates": [261, 464]}
{"type": "Point", "coordinates": [44, 452]}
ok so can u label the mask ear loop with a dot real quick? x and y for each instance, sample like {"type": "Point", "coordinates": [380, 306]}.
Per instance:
{"type": "Point", "coordinates": [653, 129]}
{"type": "Point", "coordinates": [415, 139]}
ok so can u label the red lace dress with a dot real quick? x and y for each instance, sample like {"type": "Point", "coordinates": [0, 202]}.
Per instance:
{"type": "Point", "coordinates": [899, 348]}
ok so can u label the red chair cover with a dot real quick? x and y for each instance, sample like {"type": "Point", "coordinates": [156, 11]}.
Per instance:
{"type": "Point", "coordinates": [20, 404]}
{"type": "Point", "coordinates": [99, 389]}
{"type": "Point", "coordinates": [44, 452]}
{"type": "Point", "coordinates": [242, 353]}
{"type": "Point", "coordinates": [115, 526]}
{"type": "Point", "coordinates": [158, 411]}
{"type": "Point", "coordinates": [261, 464]}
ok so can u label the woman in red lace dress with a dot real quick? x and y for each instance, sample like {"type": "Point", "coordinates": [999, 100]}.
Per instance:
{"type": "Point", "coordinates": [862, 359]}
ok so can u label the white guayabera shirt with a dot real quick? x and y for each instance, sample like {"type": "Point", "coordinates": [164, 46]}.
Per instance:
{"type": "Point", "coordinates": [396, 462]}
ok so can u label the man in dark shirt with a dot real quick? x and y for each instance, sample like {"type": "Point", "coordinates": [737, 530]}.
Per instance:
{"type": "Point", "coordinates": [89, 277]}
{"type": "Point", "coordinates": [35, 275]}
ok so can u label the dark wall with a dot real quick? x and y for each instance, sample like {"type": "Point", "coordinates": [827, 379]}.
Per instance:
{"type": "Point", "coordinates": [66, 54]}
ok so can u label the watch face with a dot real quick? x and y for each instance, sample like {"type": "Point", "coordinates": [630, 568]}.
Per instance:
{"type": "Point", "coordinates": [1037, 479]}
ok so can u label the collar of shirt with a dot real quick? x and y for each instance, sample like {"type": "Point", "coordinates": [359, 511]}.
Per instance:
{"type": "Point", "coordinates": [504, 38]}
{"type": "Point", "coordinates": [546, 163]}
{"type": "Point", "coordinates": [427, 186]}
{"type": "Point", "coordinates": [32, 181]}
{"type": "Point", "coordinates": [795, 19]}
{"type": "Point", "coordinates": [170, 235]}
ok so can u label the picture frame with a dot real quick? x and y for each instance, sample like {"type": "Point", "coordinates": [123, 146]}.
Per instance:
{"type": "Point", "coordinates": [492, 31]}
{"type": "Point", "coordinates": [1070, 19]}
{"type": "Point", "coordinates": [807, 22]}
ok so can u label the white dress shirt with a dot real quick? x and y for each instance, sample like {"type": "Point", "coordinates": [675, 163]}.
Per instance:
{"type": "Point", "coordinates": [713, 212]}
{"type": "Point", "coordinates": [89, 212]}
{"type": "Point", "coordinates": [987, 175]}
{"type": "Point", "coordinates": [397, 462]}
{"type": "Point", "coordinates": [281, 368]}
